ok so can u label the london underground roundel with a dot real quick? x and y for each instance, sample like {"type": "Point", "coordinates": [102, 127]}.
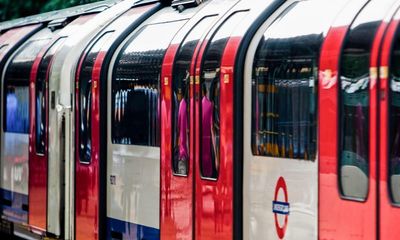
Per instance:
{"type": "Point", "coordinates": [281, 207]}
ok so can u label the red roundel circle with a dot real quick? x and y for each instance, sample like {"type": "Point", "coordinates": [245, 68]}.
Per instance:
{"type": "Point", "coordinates": [281, 208]}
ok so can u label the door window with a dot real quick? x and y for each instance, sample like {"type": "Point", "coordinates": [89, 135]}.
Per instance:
{"type": "Point", "coordinates": [210, 97]}
{"type": "Point", "coordinates": [354, 105]}
{"type": "Point", "coordinates": [181, 104]}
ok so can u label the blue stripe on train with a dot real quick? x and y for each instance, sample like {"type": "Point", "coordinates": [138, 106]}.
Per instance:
{"type": "Point", "coordinates": [117, 229]}
{"type": "Point", "coordinates": [11, 206]}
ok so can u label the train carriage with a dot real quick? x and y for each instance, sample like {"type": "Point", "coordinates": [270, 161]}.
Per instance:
{"type": "Point", "coordinates": [222, 119]}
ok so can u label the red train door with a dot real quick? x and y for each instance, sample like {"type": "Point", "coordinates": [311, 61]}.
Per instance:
{"type": "Point", "coordinates": [87, 166]}
{"type": "Point", "coordinates": [177, 159]}
{"type": "Point", "coordinates": [180, 174]}
{"type": "Point", "coordinates": [389, 131]}
{"type": "Point", "coordinates": [213, 127]}
{"type": "Point", "coordinates": [348, 180]}
{"type": "Point", "coordinates": [39, 174]}
{"type": "Point", "coordinates": [39, 98]}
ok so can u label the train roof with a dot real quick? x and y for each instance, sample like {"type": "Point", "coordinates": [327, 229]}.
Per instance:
{"type": "Point", "coordinates": [59, 15]}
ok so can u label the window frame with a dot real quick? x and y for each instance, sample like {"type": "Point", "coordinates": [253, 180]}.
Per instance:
{"type": "Point", "coordinates": [99, 42]}
{"type": "Point", "coordinates": [174, 121]}
{"type": "Point", "coordinates": [340, 113]}
{"type": "Point", "coordinates": [225, 24]}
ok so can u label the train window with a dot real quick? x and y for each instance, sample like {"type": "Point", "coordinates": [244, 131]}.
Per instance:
{"type": "Point", "coordinates": [16, 88]}
{"type": "Point", "coordinates": [354, 105]}
{"type": "Point", "coordinates": [84, 101]}
{"type": "Point", "coordinates": [210, 94]}
{"type": "Point", "coordinates": [180, 85]}
{"type": "Point", "coordinates": [41, 92]}
{"type": "Point", "coordinates": [394, 121]}
{"type": "Point", "coordinates": [135, 85]}
{"type": "Point", "coordinates": [284, 85]}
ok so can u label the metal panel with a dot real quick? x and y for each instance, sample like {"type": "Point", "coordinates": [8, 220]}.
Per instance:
{"type": "Point", "coordinates": [177, 204]}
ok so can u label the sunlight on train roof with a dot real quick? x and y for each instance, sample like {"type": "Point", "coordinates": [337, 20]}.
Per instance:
{"type": "Point", "coordinates": [143, 43]}
{"type": "Point", "coordinates": [306, 15]}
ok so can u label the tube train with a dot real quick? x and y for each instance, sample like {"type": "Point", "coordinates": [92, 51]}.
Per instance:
{"type": "Point", "coordinates": [222, 119]}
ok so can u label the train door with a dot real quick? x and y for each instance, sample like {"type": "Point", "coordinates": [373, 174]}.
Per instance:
{"type": "Point", "coordinates": [348, 111]}
{"type": "Point", "coordinates": [42, 200]}
{"type": "Point", "coordinates": [38, 141]}
{"type": "Point", "coordinates": [214, 195]}
{"type": "Point", "coordinates": [177, 138]}
{"type": "Point", "coordinates": [389, 105]}
{"type": "Point", "coordinates": [91, 86]}
{"type": "Point", "coordinates": [280, 122]}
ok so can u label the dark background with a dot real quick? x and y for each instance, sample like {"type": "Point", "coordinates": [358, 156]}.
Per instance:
{"type": "Point", "coordinates": [11, 9]}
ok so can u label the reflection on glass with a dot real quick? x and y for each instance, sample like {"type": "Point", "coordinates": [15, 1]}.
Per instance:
{"type": "Point", "coordinates": [135, 86]}
{"type": "Point", "coordinates": [181, 103]}
{"type": "Point", "coordinates": [85, 99]}
{"type": "Point", "coordinates": [284, 88]}
{"type": "Point", "coordinates": [210, 97]}
{"type": "Point", "coordinates": [394, 122]}
{"type": "Point", "coordinates": [16, 88]}
{"type": "Point", "coordinates": [354, 104]}
{"type": "Point", "coordinates": [17, 109]}
{"type": "Point", "coordinates": [355, 124]}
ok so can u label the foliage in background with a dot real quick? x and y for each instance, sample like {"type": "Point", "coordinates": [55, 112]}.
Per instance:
{"type": "Point", "coordinates": [11, 9]}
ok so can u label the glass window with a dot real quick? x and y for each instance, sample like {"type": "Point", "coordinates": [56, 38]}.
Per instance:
{"type": "Point", "coordinates": [16, 87]}
{"type": "Point", "coordinates": [41, 98]}
{"type": "Point", "coordinates": [210, 93]}
{"type": "Point", "coordinates": [394, 121]}
{"type": "Point", "coordinates": [135, 85]}
{"type": "Point", "coordinates": [180, 85]}
{"type": "Point", "coordinates": [84, 101]}
{"type": "Point", "coordinates": [284, 85]}
{"type": "Point", "coordinates": [354, 104]}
